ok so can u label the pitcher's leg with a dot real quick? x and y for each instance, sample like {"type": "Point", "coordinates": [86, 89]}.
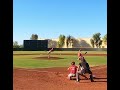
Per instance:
{"type": "Point", "coordinates": [49, 55]}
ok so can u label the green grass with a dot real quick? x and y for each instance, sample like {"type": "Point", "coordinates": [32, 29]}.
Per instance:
{"type": "Point", "coordinates": [62, 52]}
{"type": "Point", "coordinates": [27, 61]}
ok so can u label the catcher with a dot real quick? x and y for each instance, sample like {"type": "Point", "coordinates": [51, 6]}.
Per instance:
{"type": "Point", "coordinates": [72, 69]}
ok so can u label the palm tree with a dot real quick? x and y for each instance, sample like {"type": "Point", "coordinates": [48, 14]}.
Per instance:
{"type": "Point", "coordinates": [97, 40]}
{"type": "Point", "coordinates": [105, 39]}
{"type": "Point", "coordinates": [61, 40]}
{"type": "Point", "coordinates": [92, 42]}
{"type": "Point", "coordinates": [69, 41]}
{"type": "Point", "coordinates": [99, 43]}
{"type": "Point", "coordinates": [34, 37]}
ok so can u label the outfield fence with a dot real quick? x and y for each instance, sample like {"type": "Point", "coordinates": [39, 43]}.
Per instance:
{"type": "Point", "coordinates": [62, 49]}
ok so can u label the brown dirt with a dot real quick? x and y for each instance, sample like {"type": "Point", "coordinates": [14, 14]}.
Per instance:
{"type": "Point", "coordinates": [46, 58]}
{"type": "Point", "coordinates": [56, 79]}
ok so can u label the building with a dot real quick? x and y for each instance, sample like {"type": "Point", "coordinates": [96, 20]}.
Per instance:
{"type": "Point", "coordinates": [79, 42]}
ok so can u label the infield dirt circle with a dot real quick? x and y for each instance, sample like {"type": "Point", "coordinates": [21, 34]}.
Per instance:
{"type": "Point", "coordinates": [46, 58]}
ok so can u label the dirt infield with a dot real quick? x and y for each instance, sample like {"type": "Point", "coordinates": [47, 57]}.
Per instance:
{"type": "Point", "coordinates": [55, 79]}
{"type": "Point", "coordinates": [46, 58]}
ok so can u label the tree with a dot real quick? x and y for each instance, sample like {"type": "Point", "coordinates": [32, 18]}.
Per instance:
{"type": "Point", "coordinates": [15, 44]}
{"type": "Point", "coordinates": [52, 44]}
{"type": "Point", "coordinates": [97, 40]}
{"type": "Point", "coordinates": [58, 45]}
{"type": "Point", "coordinates": [69, 40]}
{"type": "Point", "coordinates": [105, 39]}
{"type": "Point", "coordinates": [100, 43]}
{"type": "Point", "coordinates": [61, 40]}
{"type": "Point", "coordinates": [20, 46]}
{"type": "Point", "coordinates": [92, 42]}
{"type": "Point", "coordinates": [34, 37]}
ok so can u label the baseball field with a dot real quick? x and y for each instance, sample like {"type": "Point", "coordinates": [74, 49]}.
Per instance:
{"type": "Point", "coordinates": [33, 70]}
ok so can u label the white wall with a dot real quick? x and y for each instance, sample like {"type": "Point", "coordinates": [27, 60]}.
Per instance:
{"type": "Point", "coordinates": [83, 42]}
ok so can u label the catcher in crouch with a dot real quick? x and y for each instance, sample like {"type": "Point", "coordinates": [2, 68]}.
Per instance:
{"type": "Point", "coordinates": [72, 71]}
{"type": "Point", "coordinates": [49, 52]}
{"type": "Point", "coordinates": [83, 69]}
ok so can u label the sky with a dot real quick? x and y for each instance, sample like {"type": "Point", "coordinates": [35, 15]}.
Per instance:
{"type": "Point", "coordinates": [50, 18]}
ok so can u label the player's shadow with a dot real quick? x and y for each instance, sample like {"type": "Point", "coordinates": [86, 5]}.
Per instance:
{"type": "Point", "coordinates": [93, 82]}
{"type": "Point", "coordinates": [100, 79]}
{"type": "Point", "coordinates": [95, 79]}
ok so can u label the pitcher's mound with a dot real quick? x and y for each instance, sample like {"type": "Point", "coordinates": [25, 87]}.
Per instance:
{"type": "Point", "coordinates": [46, 58]}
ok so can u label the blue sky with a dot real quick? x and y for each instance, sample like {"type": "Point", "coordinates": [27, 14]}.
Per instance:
{"type": "Point", "coordinates": [50, 18]}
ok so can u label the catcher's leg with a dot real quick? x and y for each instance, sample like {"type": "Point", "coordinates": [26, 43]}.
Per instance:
{"type": "Point", "coordinates": [70, 76]}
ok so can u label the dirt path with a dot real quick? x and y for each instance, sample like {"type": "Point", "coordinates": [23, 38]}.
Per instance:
{"type": "Point", "coordinates": [55, 79]}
